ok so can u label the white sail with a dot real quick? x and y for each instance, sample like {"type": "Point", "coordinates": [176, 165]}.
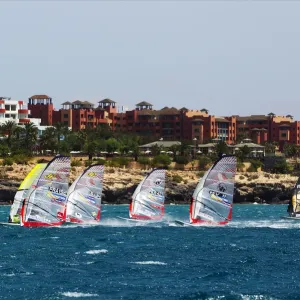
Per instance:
{"type": "Point", "coordinates": [149, 197]}
{"type": "Point", "coordinates": [213, 196]}
{"type": "Point", "coordinates": [84, 196]}
{"type": "Point", "coordinates": [15, 210]}
{"type": "Point", "coordinates": [46, 201]}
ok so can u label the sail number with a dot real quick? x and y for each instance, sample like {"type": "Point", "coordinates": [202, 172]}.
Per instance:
{"type": "Point", "coordinates": [156, 193]}
{"type": "Point", "coordinates": [95, 195]}
{"type": "Point", "coordinates": [56, 190]}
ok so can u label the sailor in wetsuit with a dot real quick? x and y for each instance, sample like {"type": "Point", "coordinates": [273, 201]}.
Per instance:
{"type": "Point", "coordinates": [14, 219]}
{"type": "Point", "coordinates": [292, 205]}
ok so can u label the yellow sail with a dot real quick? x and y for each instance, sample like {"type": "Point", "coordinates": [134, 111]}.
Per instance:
{"type": "Point", "coordinates": [31, 176]}
{"type": "Point", "coordinates": [15, 209]}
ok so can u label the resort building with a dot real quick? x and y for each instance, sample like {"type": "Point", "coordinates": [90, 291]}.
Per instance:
{"type": "Point", "coordinates": [13, 110]}
{"type": "Point", "coordinates": [16, 111]}
{"type": "Point", "coordinates": [270, 128]}
{"type": "Point", "coordinates": [168, 123]}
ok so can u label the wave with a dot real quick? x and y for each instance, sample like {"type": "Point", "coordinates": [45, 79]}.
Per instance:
{"type": "Point", "coordinates": [149, 262]}
{"type": "Point", "coordinates": [78, 295]}
{"type": "Point", "coordinates": [96, 251]}
{"type": "Point", "coordinates": [279, 224]}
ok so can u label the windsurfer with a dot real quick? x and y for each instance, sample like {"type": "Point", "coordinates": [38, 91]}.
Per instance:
{"type": "Point", "coordinates": [292, 206]}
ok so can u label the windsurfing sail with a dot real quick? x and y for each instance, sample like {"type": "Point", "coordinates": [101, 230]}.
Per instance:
{"type": "Point", "coordinates": [45, 204]}
{"type": "Point", "coordinates": [213, 196]}
{"type": "Point", "coordinates": [294, 206]}
{"type": "Point", "coordinates": [84, 196]}
{"type": "Point", "coordinates": [15, 210]}
{"type": "Point", "coordinates": [149, 197]}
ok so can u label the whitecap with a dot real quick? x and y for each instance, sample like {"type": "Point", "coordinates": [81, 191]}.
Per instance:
{"type": "Point", "coordinates": [77, 295]}
{"type": "Point", "coordinates": [150, 262]}
{"type": "Point", "coordinates": [96, 251]}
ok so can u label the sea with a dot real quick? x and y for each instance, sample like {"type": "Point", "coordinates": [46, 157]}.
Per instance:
{"type": "Point", "coordinates": [256, 256]}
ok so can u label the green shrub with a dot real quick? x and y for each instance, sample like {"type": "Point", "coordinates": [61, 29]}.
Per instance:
{"type": "Point", "coordinates": [144, 160]}
{"type": "Point", "coordinates": [201, 173]}
{"type": "Point", "coordinates": [123, 161]}
{"type": "Point", "coordinates": [101, 161]}
{"type": "Point", "coordinates": [42, 161]}
{"type": "Point", "coordinates": [117, 162]}
{"type": "Point", "coordinates": [255, 163]}
{"type": "Point", "coordinates": [8, 161]}
{"type": "Point", "coordinates": [177, 178]}
{"type": "Point", "coordinates": [182, 160]}
{"type": "Point", "coordinates": [281, 167]}
{"type": "Point", "coordinates": [76, 163]}
{"type": "Point", "coordinates": [21, 159]}
{"type": "Point", "coordinates": [251, 169]}
{"type": "Point", "coordinates": [204, 161]}
{"type": "Point", "coordinates": [88, 163]}
{"type": "Point", "coordinates": [161, 161]}
{"type": "Point", "coordinates": [240, 166]}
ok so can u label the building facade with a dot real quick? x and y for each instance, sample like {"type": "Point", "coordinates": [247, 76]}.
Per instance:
{"type": "Point", "coordinates": [168, 123]}
{"type": "Point", "coordinates": [269, 128]}
{"type": "Point", "coordinates": [13, 110]}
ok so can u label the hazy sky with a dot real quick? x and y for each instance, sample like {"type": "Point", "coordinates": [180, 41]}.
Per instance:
{"type": "Point", "coordinates": [230, 57]}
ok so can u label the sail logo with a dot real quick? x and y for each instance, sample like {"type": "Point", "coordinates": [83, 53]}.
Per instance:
{"type": "Point", "coordinates": [50, 176]}
{"type": "Point", "coordinates": [158, 181]}
{"type": "Point", "coordinates": [91, 174]}
{"type": "Point", "coordinates": [222, 187]}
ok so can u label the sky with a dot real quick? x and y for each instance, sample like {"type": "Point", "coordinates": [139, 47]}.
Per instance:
{"type": "Point", "coordinates": [230, 57]}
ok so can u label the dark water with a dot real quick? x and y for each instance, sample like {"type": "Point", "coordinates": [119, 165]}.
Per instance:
{"type": "Point", "coordinates": [256, 257]}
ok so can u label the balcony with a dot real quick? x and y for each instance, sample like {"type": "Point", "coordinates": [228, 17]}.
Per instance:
{"type": "Point", "coordinates": [2, 110]}
{"type": "Point", "coordinates": [24, 120]}
{"type": "Point", "coordinates": [23, 111]}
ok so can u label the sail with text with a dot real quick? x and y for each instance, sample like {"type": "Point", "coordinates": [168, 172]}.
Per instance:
{"type": "Point", "coordinates": [294, 206]}
{"type": "Point", "coordinates": [21, 194]}
{"type": "Point", "coordinates": [149, 197]}
{"type": "Point", "coordinates": [213, 196]}
{"type": "Point", "coordinates": [45, 204]}
{"type": "Point", "coordinates": [84, 196]}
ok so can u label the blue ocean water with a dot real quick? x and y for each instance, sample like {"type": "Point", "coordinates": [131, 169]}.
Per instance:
{"type": "Point", "coordinates": [257, 256]}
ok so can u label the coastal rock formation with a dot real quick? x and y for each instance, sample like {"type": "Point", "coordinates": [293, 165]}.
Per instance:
{"type": "Point", "coordinates": [119, 185]}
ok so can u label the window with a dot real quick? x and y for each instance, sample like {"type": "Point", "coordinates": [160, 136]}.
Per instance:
{"type": "Point", "coordinates": [13, 107]}
{"type": "Point", "coordinates": [7, 107]}
{"type": "Point", "coordinates": [65, 116]}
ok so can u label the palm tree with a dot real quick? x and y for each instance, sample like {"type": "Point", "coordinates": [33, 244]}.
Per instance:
{"type": "Point", "coordinates": [48, 140]}
{"type": "Point", "coordinates": [8, 129]}
{"type": "Point", "coordinates": [30, 136]}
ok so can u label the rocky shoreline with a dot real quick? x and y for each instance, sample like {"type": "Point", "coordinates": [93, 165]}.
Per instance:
{"type": "Point", "coordinates": [119, 184]}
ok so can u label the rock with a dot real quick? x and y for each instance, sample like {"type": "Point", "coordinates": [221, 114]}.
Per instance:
{"type": "Point", "coordinates": [119, 185]}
